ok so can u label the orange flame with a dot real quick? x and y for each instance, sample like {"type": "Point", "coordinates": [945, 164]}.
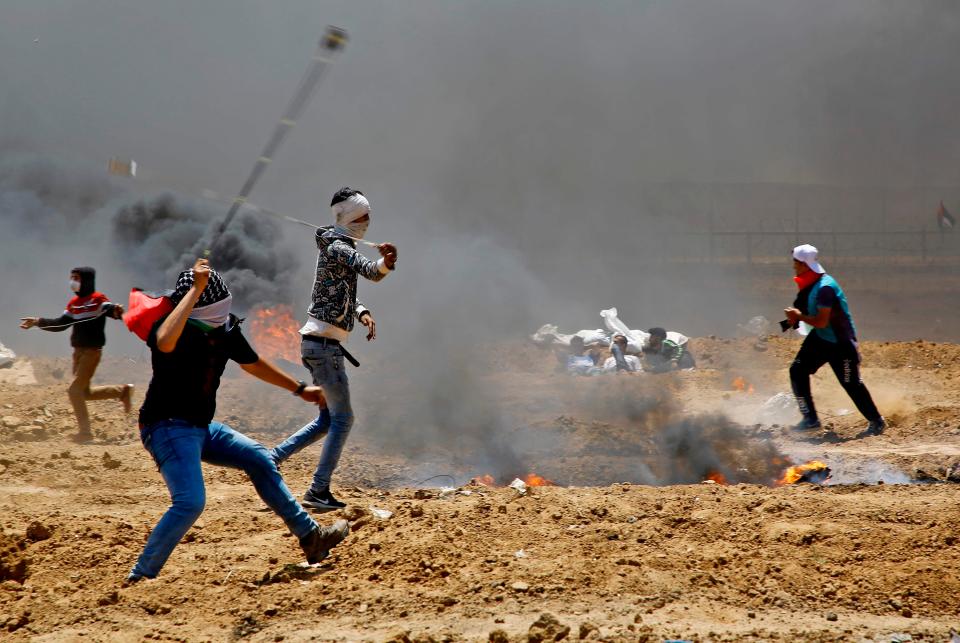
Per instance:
{"type": "Point", "coordinates": [274, 333]}
{"type": "Point", "coordinates": [793, 474]}
{"type": "Point", "coordinates": [716, 477]}
{"type": "Point", "coordinates": [742, 385]}
{"type": "Point", "coordinates": [486, 480]}
{"type": "Point", "coordinates": [533, 480]}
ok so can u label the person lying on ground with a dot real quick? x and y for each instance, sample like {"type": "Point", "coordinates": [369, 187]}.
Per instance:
{"type": "Point", "coordinates": [86, 315]}
{"type": "Point", "coordinates": [580, 360]}
{"type": "Point", "coordinates": [661, 354]}
{"type": "Point", "coordinates": [619, 361]}
{"type": "Point", "coordinates": [189, 349]}
{"type": "Point", "coordinates": [333, 308]}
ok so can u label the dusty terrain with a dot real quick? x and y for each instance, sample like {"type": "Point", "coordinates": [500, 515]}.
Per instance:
{"type": "Point", "coordinates": [607, 556]}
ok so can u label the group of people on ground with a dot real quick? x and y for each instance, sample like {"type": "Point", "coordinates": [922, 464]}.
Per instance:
{"type": "Point", "coordinates": [190, 347]}
{"type": "Point", "coordinates": [660, 353]}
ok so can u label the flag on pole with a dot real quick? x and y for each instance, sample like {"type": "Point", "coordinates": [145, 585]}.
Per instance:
{"type": "Point", "coordinates": [944, 219]}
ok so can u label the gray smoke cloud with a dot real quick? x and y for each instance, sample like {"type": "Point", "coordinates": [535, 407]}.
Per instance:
{"type": "Point", "coordinates": [58, 214]}
{"type": "Point", "coordinates": [527, 158]}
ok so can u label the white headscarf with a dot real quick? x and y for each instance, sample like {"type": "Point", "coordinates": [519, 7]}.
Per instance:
{"type": "Point", "coordinates": [346, 214]}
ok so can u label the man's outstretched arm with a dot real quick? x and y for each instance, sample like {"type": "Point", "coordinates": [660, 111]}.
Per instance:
{"type": "Point", "coordinates": [266, 371]}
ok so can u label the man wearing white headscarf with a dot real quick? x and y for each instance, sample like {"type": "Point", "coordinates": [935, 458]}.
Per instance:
{"type": "Point", "coordinates": [331, 315]}
{"type": "Point", "coordinates": [822, 304]}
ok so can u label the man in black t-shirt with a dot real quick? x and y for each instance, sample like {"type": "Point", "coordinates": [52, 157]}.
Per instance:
{"type": "Point", "coordinates": [189, 351]}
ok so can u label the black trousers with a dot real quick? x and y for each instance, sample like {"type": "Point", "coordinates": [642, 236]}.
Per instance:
{"type": "Point", "coordinates": [844, 359]}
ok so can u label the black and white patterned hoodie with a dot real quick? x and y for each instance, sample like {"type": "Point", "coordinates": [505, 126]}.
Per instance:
{"type": "Point", "coordinates": [334, 301]}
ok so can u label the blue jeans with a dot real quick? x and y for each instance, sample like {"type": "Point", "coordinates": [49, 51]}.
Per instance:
{"type": "Point", "coordinates": [178, 447]}
{"type": "Point", "coordinates": [325, 363]}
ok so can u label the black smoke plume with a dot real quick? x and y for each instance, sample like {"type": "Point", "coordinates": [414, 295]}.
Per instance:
{"type": "Point", "coordinates": [163, 235]}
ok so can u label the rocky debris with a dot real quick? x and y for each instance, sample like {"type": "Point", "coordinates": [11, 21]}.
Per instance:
{"type": "Point", "coordinates": [498, 636]}
{"type": "Point", "coordinates": [13, 561]}
{"type": "Point", "coordinates": [14, 623]}
{"type": "Point", "coordinates": [37, 531]}
{"type": "Point", "coordinates": [109, 462]}
{"type": "Point", "coordinates": [547, 628]}
{"type": "Point", "coordinates": [588, 630]}
{"type": "Point", "coordinates": [111, 598]}
{"type": "Point", "coordinates": [11, 421]}
{"type": "Point", "coordinates": [520, 586]}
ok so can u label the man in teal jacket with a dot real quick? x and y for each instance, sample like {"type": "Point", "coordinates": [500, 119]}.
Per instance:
{"type": "Point", "coordinates": [822, 304]}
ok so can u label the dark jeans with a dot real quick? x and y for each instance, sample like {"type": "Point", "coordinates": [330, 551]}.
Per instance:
{"type": "Point", "coordinates": [844, 359]}
{"type": "Point", "coordinates": [177, 448]}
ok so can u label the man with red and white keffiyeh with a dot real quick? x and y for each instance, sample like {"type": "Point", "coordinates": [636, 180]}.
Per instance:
{"type": "Point", "coordinates": [86, 316]}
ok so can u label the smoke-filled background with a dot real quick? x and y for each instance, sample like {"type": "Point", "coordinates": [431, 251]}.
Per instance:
{"type": "Point", "coordinates": [507, 148]}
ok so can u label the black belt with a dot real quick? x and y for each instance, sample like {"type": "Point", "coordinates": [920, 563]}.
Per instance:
{"type": "Point", "coordinates": [328, 341]}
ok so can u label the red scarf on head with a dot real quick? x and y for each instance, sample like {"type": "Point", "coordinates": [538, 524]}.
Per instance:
{"type": "Point", "coordinates": [806, 279]}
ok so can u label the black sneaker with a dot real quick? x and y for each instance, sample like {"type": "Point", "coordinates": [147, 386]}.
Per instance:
{"type": "Point", "coordinates": [875, 427]}
{"type": "Point", "coordinates": [807, 424]}
{"type": "Point", "coordinates": [318, 543]}
{"type": "Point", "coordinates": [321, 501]}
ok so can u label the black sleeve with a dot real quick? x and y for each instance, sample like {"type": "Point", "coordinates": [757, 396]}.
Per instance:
{"type": "Point", "coordinates": [152, 337]}
{"type": "Point", "coordinates": [239, 349]}
{"type": "Point", "coordinates": [826, 298]}
{"type": "Point", "coordinates": [59, 324]}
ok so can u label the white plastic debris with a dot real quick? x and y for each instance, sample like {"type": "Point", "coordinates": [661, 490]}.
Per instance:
{"type": "Point", "coordinates": [520, 554]}
{"type": "Point", "coordinates": [381, 514]}
{"type": "Point", "coordinates": [779, 409]}
{"type": "Point", "coordinates": [519, 485]}
{"type": "Point", "coordinates": [755, 327]}
{"type": "Point", "coordinates": [635, 338]}
{"type": "Point", "coordinates": [464, 492]}
{"type": "Point", "coordinates": [7, 356]}
{"type": "Point", "coordinates": [446, 492]}
{"type": "Point", "coordinates": [842, 412]}
{"type": "Point", "coordinates": [550, 335]}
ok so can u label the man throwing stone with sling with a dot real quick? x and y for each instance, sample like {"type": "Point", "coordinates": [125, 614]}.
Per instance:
{"type": "Point", "coordinates": [189, 350]}
{"type": "Point", "coordinates": [331, 316]}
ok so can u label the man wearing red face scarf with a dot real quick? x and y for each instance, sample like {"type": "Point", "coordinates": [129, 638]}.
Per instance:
{"type": "Point", "coordinates": [822, 304]}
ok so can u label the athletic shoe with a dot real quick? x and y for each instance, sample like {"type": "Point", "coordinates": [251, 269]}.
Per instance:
{"type": "Point", "coordinates": [321, 500]}
{"type": "Point", "coordinates": [127, 397]}
{"type": "Point", "coordinates": [807, 424]}
{"type": "Point", "coordinates": [318, 543]}
{"type": "Point", "coordinates": [876, 427]}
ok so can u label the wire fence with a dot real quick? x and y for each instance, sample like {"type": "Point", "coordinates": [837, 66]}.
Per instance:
{"type": "Point", "coordinates": [760, 222]}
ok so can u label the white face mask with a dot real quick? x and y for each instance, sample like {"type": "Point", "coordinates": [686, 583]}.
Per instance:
{"type": "Point", "coordinates": [74, 285]}
{"type": "Point", "coordinates": [357, 228]}
{"type": "Point", "coordinates": [346, 214]}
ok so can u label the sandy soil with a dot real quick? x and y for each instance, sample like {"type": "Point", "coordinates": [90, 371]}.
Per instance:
{"type": "Point", "coordinates": [606, 556]}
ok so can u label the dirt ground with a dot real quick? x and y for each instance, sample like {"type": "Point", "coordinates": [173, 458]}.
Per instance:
{"type": "Point", "coordinates": [633, 546]}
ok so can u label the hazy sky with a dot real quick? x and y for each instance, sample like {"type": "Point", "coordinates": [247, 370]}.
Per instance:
{"type": "Point", "coordinates": [503, 144]}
